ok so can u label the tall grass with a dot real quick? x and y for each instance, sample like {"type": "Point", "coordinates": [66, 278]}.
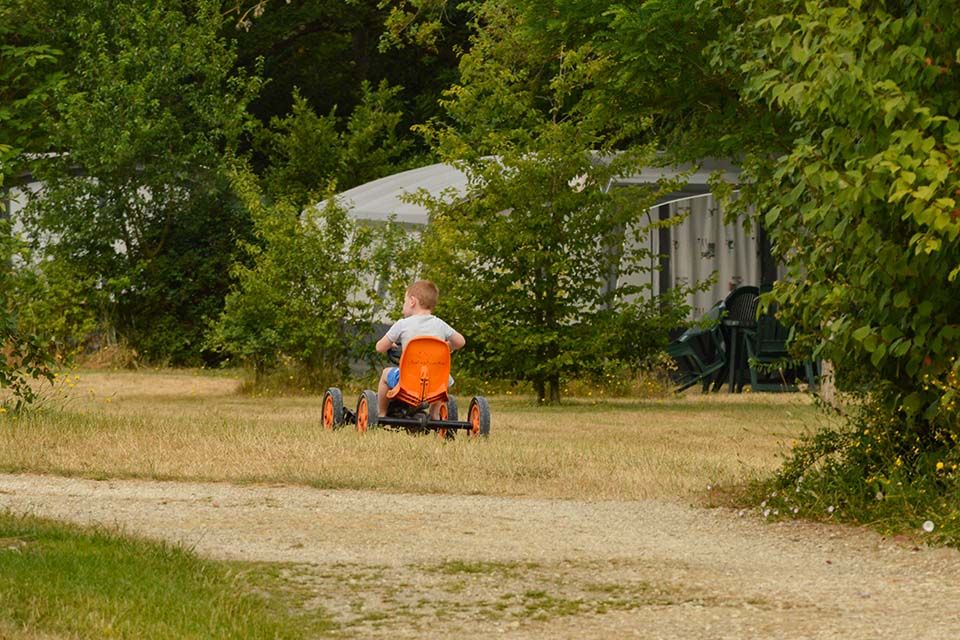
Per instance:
{"type": "Point", "coordinates": [181, 425]}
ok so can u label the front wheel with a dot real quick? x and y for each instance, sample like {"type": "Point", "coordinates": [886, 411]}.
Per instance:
{"type": "Point", "coordinates": [367, 416]}
{"type": "Point", "coordinates": [479, 417]}
{"type": "Point", "coordinates": [332, 416]}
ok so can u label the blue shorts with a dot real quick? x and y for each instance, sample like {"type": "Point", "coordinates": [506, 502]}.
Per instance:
{"type": "Point", "coordinates": [393, 378]}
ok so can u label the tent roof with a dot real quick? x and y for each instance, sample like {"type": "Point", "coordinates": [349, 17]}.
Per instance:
{"type": "Point", "coordinates": [379, 199]}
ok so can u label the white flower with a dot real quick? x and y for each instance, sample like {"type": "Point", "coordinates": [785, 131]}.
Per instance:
{"type": "Point", "coordinates": [578, 183]}
{"type": "Point", "coordinates": [766, 513]}
{"type": "Point", "coordinates": [830, 509]}
{"type": "Point", "coordinates": [928, 526]}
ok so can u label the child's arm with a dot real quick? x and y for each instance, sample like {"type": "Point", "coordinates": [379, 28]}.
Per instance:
{"type": "Point", "coordinates": [390, 338]}
{"type": "Point", "coordinates": [384, 344]}
{"type": "Point", "coordinates": [456, 341]}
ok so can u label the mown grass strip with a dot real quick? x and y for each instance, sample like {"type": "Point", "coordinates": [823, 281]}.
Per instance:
{"type": "Point", "coordinates": [64, 581]}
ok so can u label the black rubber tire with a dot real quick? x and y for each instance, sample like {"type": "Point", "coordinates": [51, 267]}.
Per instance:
{"type": "Point", "coordinates": [367, 416]}
{"type": "Point", "coordinates": [452, 411]}
{"type": "Point", "coordinates": [479, 417]}
{"type": "Point", "coordinates": [332, 416]}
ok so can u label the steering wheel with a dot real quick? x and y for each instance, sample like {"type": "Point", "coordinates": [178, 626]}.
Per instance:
{"type": "Point", "coordinates": [394, 353]}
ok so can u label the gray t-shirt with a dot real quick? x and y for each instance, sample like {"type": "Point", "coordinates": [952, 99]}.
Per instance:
{"type": "Point", "coordinates": [418, 325]}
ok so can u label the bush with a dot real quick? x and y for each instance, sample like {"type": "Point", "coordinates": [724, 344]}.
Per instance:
{"type": "Point", "coordinates": [311, 292]}
{"type": "Point", "coordinates": [891, 472]}
{"type": "Point", "coordinates": [26, 356]}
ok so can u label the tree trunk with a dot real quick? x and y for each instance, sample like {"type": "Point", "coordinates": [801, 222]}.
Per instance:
{"type": "Point", "coordinates": [555, 389]}
{"type": "Point", "coordinates": [540, 387]}
{"type": "Point", "coordinates": [828, 389]}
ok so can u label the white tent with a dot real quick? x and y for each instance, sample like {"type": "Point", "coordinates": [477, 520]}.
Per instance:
{"type": "Point", "coordinates": [379, 199]}
{"type": "Point", "coordinates": [691, 251]}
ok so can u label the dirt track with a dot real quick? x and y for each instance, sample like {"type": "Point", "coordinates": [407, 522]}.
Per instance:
{"type": "Point", "coordinates": [387, 565]}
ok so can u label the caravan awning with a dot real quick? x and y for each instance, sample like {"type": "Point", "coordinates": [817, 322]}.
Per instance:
{"type": "Point", "coordinates": [380, 199]}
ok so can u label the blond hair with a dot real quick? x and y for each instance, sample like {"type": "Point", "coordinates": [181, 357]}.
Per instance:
{"type": "Point", "coordinates": [425, 292]}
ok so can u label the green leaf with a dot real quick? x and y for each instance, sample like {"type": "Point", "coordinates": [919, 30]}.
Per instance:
{"type": "Point", "coordinates": [891, 333]}
{"type": "Point", "coordinates": [798, 53]}
{"type": "Point", "coordinates": [913, 402]}
{"type": "Point", "coordinates": [899, 348]}
{"type": "Point", "coordinates": [878, 354]}
{"type": "Point", "coordinates": [773, 214]}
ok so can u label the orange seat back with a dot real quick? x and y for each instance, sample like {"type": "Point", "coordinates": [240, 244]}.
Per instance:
{"type": "Point", "coordinates": [424, 371]}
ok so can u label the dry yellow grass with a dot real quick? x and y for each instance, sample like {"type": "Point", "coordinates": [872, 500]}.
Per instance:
{"type": "Point", "coordinates": [187, 425]}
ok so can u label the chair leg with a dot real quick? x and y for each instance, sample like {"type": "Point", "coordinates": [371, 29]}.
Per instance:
{"type": "Point", "coordinates": [732, 382]}
{"type": "Point", "coordinates": [811, 377]}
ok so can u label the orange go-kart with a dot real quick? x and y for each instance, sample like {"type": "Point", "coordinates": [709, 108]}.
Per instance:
{"type": "Point", "coordinates": [424, 375]}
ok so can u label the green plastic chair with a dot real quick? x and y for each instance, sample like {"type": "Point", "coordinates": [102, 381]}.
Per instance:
{"type": "Point", "coordinates": [767, 351]}
{"type": "Point", "coordinates": [692, 363]}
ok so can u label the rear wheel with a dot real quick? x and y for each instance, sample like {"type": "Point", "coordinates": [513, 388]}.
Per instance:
{"type": "Point", "coordinates": [332, 416]}
{"type": "Point", "coordinates": [448, 411]}
{"type": "Point", "coordinates": [367, 411]}
{"type": "Point", "coordinates": [479, 417]}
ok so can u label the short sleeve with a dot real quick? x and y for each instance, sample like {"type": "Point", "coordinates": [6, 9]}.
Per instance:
{"type": "Point", "coordinates": [447, 330]}
{"type": "Point", "coordinates": [393, 333]}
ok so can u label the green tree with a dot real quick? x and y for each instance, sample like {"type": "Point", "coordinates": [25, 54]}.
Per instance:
{"type": "Point", "coordinates": [29, 76]}
{"type": "Point", "coordinates": [659, 72]}
{"type": "Point", "coordinates": [310, 294]}
{"type": "Point", "coordinates": [863, 205]}
{"type": "Point", "coordinates": [328, 49]}
{"type": "Point", "coordinates": [146, 114]}
{"type": "Point", "coordinates": [527, 259]}
{"type": "Point", "coordinates": [307, 153]}
{"type": "Point", "coordinates": [26, 357]}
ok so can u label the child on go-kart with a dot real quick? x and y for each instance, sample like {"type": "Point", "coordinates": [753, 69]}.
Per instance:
{"type": "Point", "coordinates": [418, 320]}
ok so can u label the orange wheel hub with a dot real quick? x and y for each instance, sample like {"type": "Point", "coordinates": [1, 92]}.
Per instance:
{"type": "Point", "coordinates": [474, 420]}
{"type": "Point", "coordinates": [363, 416]}
{"type": "Point", "coordinates": [328, 413]}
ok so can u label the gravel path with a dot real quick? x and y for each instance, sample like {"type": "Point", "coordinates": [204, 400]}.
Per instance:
{"type": "Point", "coordinates": [558, 569]}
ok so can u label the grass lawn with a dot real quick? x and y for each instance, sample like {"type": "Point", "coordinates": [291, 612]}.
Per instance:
{"type": "Point", "coordinates": [194, 425]}
{"type": "Point", "coordinates": [59, 581]}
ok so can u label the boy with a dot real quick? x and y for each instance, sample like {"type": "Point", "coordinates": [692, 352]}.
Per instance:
{"type": "Point", "coordinates": [418, 320]}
